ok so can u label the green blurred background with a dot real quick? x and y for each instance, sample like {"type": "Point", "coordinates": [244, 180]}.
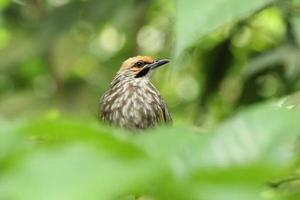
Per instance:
{"type": "Point", "coordinates": [231, 87]}
{"type": "Point", "coordinates": [60, 55]}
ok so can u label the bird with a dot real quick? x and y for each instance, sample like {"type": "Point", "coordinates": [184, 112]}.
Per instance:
{"type": "Point", "coordinates": [132, 101]}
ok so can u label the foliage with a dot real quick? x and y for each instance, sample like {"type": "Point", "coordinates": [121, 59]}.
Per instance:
{"type": "Point", "coordinates": [231, 87]}
{"type": "Point", "coordinates": [56, 158]}
{"type": "Point", "coordinates": [211, 17]}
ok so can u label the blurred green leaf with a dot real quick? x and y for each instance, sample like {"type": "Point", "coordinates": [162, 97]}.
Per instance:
{"type": "Point", "coordinates": [249, 137]}
{"type": "Point", "coordinates": [70, 159]}
{"type": "Point", "coordinates": [297, 2]}
{"type": "Point", "coordinates": [268, 60]}
{"type": "Point", "coordinates": [4, 3]}
{"type": "Point", "coordinates": [58, 131]}
{"type": "Point", "coordinates": [9, 140]}
{"type": "Point", "coordinates": [196, 18]}
{"type": "Point", "coordinates": [245, 152]}
{"type": "Point", "coordinates": [73, 172]}
{"type": "Point", "coordinates": [296, 27]}
{"type": "Point", "coordinates": [291, 101]}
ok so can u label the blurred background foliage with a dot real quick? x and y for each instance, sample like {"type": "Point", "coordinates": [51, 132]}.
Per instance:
{"type": "Point", "coordinates": [231, 87]}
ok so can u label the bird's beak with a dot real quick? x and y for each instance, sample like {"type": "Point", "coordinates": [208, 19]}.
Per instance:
{"type": "Point", "coordinates": [152, 66]}
{"type": "Point", "coordinates": [157, 63]}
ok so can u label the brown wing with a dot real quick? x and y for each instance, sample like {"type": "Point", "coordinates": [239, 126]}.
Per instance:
{"type": "Point", "coordinates": [165, 115]}
{"type": "Point", "coordinates": [100, 109]}
{"type": "Point", "coordinates": [102, 113]}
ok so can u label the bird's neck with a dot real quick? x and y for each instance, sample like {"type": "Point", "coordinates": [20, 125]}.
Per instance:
{"type": "Point", "coordinates": [121, 79]}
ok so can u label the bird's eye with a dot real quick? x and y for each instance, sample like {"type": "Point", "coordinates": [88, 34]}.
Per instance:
{"type": "Point", "coordinates": [140, 64]}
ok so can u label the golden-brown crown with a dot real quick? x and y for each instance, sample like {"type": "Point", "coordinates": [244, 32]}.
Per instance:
{"type": "Point", "coordinates": [130, 62]}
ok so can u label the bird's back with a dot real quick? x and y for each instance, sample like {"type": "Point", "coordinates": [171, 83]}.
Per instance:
{"type": "Point", "coordinates": [133, 104]}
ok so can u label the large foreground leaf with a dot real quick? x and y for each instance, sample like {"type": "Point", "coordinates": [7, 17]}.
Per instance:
{"type": "Point", "coordinates": [66, 159]}
{"type": "Point", "coordinates": [237, 159]}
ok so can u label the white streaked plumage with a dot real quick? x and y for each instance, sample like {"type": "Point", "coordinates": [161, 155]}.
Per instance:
{"type": "Point", "coordinates": [132, 101]}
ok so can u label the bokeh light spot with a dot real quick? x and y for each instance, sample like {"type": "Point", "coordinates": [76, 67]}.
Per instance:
{"type": "Point", "coordinates": [111, 40]}
{"type": "Point", "coordinates": [58, 3]}
{"type": "Point", "coordinates": [4, 38]}
{"type": "Point", "coordinates": [4, 3]}
{"type": "Point", "coordinates": [108, 42]}
{"type": "Point", "coordinates": [243, 38]}
{"type": "Point", "coordinates": [150, 39]}
{"type": "Point", "coordinates": [187, 88]}
{"type": "Point", "coordinates": [52, 114]}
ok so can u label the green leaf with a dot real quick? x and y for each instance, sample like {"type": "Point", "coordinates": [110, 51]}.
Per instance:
{"type": "Point", "coordinates": [69, 159]}
{"type": "Point", "coordinates": [4, 3]}
{"type": "Point", "coordinates": [296, 27]}
{"type": "Point", "coordinates": [59, 131]}
{"type": "Point", "coordinates": [296, 2]}
{"type": "Point", "coordinates": [259, 134]}
{"type": "Point", "coordinates": [196, 18]}
{"type": "Point", "coordinates": [267, 60]}
{"type": "Point", "coordinates": [245, 152]}
{"type": "Point", "coordinates": [73, 172]}
{"type": "Point", "coordinates": [251, 137]}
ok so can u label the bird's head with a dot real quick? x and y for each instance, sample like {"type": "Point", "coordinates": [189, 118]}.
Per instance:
{"type": "Point", "coordinates": [140, 66]}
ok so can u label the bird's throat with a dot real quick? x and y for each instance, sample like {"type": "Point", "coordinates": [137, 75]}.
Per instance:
{"type": "Point", "coordinates": [143, 72]}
